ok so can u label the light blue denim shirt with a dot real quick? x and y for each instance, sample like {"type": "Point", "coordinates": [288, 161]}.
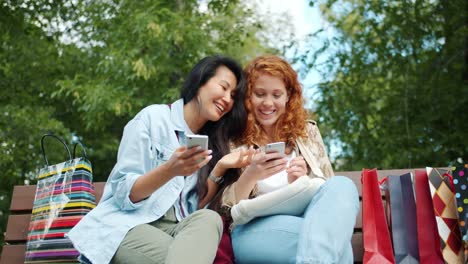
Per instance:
{"type": "Point", "coordinates": [148, 140]}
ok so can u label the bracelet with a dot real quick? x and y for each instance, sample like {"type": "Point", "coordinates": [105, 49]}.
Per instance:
{"type": "Point", "coordinates": [217, 180]}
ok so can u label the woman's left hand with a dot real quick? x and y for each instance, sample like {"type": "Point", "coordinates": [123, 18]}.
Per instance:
{"type": "Point", "coordinates": [297, 168]}
{"type": "Point", "coordinates": [237, 159]}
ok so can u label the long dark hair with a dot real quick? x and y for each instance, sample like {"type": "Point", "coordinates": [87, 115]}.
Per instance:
{"type": "Point", "coordinates": [229, 128]}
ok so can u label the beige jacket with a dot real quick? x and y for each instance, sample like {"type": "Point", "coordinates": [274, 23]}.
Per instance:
{"type": "Point", "coordinates": [310, 148]}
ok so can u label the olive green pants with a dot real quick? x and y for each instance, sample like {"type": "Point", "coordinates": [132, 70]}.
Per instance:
{"type": "Point", "coordinates": [194, 240]}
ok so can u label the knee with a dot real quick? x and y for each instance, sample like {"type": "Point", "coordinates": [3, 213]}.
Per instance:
{"type": "Point", "coordinates": [210, 218]}
{"type": "Point", "coordinates": [345, 189]}
{"type": "Point", "coordinates": [343, 184]}
{"type": "Point", "coordinates": [271, 239]}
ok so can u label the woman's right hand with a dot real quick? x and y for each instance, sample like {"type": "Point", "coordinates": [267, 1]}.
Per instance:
{"type": "Point", "coordinates": [264, 165]}
{"type": "Point", "coordinates": [185, 162]}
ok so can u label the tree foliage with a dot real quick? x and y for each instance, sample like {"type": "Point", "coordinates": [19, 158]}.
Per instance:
{"type": "Point", "coordinates": [395, 89]}
{"type": "Point", "coordinates": [82, 69]}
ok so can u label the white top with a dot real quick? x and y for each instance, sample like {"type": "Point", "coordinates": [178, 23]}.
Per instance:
{"type": "Point", "coordinates": [275, 181]}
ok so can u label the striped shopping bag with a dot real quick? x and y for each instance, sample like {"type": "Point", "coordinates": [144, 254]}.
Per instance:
{"type": "Point", "coordinates": [64, 194]}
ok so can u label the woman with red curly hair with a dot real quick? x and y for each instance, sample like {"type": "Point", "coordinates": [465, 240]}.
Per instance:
{"type": "Point", "coordinates": [320, 233]}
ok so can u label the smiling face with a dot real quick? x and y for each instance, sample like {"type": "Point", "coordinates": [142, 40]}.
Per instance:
{"type": "Point", "coordinates": [268, 99]}
{"type": "Point", "coordinates": [216, 96]}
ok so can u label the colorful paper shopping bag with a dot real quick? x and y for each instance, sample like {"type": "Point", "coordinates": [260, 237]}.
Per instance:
{"type": "Point", "coordinates": [64, 194]}
{"type": "Point", "coordinates": [400, 197]}
{"type": "Point", "coordinates": [460, 181]}
{"type": "Point", "coordinates": [376, 236]}
{"type": "Point", "coordinates": [428, 234]}
{"type": "Point", "coordinates": [443, 199]}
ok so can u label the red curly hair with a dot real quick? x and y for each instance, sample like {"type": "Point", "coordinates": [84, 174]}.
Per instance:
{"type": "Point", "coordinates": [291, 125]}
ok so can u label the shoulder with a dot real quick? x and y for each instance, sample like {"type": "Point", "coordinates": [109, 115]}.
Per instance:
{"type": "Point", "coordinates": [311, 126]}
{"type": "Point", "coordinates": [154, 110]}
{"type": "Point", "coordinates": [312, 132]}
{"type": "Point", "coordinates": [311, 122]}
{"type": "Point", "coordinates": [153, 114]}
{"type": "Point", "coordinates": [149, 116]}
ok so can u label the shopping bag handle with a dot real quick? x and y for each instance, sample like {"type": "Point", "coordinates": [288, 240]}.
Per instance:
{"type": "Point", "coordinates": [59, 139]}
{"type": "Point", "coordinates": [83, 150]}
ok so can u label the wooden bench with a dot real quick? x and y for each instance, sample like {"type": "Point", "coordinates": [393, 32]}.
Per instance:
{"type": "Point", "coordinates": [23, 197]}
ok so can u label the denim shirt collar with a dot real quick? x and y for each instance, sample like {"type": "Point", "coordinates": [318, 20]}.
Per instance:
{"type": "Point", "coordinates": [177, 117]}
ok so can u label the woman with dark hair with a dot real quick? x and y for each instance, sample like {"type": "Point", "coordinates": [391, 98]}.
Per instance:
{"type": "Point", "coordinates": [320, 233]}
{"type": "Point", "coordinates": [149, 209]}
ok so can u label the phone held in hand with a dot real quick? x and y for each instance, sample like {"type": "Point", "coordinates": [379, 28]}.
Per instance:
{"type": "Point", "coordinates": [275, 147]}
{"type": "Point", "coordinates": [197, 140]}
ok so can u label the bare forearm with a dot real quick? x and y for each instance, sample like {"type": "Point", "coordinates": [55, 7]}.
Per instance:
{"type": "Point", "coordinates": [149, 183]}
{"type": "Point", "coordinates": [212, 187]}
{"type": "Point", "coordinates": [244, 186]}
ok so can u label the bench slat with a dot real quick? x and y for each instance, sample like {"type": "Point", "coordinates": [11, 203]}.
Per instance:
{"type": "Point", "coordinates": [355, 176]}
{"type": "Point", "coordinates": [358, 246]}
{"type": "Point", "coordinates": [13, 254]}
{"type": "Point", "coordinates": [17, 228]}
{"type": "Point", "coordinates": [23, 197]}
{"type": "Point", "coordinates": [359, 218]}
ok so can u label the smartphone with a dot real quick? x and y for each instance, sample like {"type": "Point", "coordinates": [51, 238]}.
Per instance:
{"type": "Point", "coordinates": [197, 140]}
{"type": "Point", "coordinates": [275, 147]}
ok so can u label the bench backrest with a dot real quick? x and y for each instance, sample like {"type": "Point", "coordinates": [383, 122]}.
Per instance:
{"type": "Point", "coordinates": [23, 198]}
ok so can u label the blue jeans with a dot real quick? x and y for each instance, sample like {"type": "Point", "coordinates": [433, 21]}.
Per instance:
{"type": "Point", "coordinates": [321, 235]}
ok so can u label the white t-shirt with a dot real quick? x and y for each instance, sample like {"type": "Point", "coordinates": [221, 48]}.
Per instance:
{"type": "Point", "coordinates": [275, 181]}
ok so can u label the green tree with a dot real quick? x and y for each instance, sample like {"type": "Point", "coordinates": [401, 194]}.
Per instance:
{"type": "Point", "coordinates": [29, 68]}
{"type": "Point", "coordinates": [395, 87]}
